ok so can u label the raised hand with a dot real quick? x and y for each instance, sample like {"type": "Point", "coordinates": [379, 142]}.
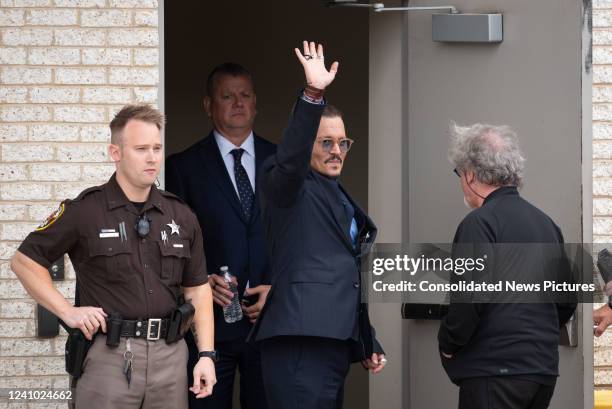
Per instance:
{"type": "Point", "coordinates": [313, 61]}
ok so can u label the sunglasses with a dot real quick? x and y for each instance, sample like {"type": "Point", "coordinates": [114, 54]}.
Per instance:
{"type": "Point", "coordinates": [457, 173]}
{"type": "Point", "coordinates": [328, 144]}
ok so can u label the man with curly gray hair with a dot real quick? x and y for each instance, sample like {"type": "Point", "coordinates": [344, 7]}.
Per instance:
{"type": "Point", "coordinates": [488, 156]}
{"type": "Point", "coordinates": [502, 356]}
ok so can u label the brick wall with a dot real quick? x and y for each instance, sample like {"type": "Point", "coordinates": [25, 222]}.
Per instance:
{"type": "Point", "coordinates": [66, 66]}
{"type": "Point", "coordinates": [602, 160]}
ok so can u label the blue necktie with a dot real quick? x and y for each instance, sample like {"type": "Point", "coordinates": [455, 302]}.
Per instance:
{"type": "Point", "coordinates": [354, 232]}
{"type": "Point", "coordinates": [350, 213]}
{"type": "Point", "coordinates": [245, 190]}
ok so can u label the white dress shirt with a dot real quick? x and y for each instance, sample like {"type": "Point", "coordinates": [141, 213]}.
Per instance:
{"type": "Point", "coordinates": [247, 160]}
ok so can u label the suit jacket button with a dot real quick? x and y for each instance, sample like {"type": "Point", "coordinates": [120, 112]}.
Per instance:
{"type": "Point", "coordinates": [356, 284]}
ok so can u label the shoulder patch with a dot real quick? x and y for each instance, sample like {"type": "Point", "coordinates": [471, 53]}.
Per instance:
{"type": "Point", "coordinates": [57, 213]}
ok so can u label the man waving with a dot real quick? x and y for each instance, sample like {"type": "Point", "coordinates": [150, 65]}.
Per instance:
{"type": "Point", "coordinates": [313, 324]}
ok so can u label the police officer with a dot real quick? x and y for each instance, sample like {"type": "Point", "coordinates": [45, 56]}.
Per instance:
{"type": "Point", "coordinates": [134, 249]}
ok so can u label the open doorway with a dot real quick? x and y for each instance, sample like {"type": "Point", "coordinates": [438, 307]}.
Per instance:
{"type": "Point", "coordinates": [261, 36]}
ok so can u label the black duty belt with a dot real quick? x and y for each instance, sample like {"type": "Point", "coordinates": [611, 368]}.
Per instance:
{"type": "Point", "coordinates": [151, 329]}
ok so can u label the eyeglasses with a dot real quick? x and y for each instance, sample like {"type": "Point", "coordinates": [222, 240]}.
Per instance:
{"type": "Point", "coordinates": [457, 173]}
{"type": "Point", "coordinates": [328, 144]}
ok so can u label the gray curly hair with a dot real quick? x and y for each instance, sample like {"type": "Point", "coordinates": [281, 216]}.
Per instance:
{"type": "Point", "coordinates": [491, 152]}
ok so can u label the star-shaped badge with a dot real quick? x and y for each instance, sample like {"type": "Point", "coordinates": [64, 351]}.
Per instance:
{"type": "Point", "coordinates": [174, 227]}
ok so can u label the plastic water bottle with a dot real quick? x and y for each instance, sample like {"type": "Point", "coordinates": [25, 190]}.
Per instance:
{"type": "Point", "coordinates": [233, 311]}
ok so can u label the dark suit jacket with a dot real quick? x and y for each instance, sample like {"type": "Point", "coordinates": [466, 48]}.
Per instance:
{"type": "Point", "coordinates": [199, 176]}
{"type": "Point", "coordinates": [316, 287]}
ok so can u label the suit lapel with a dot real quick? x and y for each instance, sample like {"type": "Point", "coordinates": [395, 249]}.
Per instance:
{"type": "Point", "coordinates": [330, 192]}
{"type": "Point", "coordinates": [367, 228]}
{"type": "Point", "coordinates": [214, 165]}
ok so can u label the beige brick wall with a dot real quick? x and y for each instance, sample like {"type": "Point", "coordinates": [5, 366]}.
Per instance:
{"type": "Point", "coordinates": [66, 66]}
{"type": "Point", "coordinates": [602, 160]}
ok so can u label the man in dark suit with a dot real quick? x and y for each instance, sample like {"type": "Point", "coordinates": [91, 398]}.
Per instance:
{"type": "Point", "coordinates": [216, 177]}
{"type": "Point", "coordinates": [314, 324]}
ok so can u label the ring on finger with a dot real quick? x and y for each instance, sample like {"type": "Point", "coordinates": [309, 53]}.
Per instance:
{"type": "Point", "coordinates": [383, 360]}
{"type": "Point", "coordinates": [307, 57]}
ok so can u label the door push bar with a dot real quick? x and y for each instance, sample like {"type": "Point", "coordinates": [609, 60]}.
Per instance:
{"type": "Point", "coordinates": [378, 7]}
{"type": "Point", "coordinates": [451, 27]}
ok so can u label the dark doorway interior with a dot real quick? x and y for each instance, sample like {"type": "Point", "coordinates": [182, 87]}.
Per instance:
{"type": "Point", "coordinates": [261, 36]}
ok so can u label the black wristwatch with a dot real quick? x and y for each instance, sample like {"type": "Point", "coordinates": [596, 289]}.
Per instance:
{"type": "Point", "coordinates": [209, 354]}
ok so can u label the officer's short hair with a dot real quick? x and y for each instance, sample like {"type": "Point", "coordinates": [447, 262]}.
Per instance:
{"type": "Point", "coordinates": [491, 152]}
{"type": "Point", "coordinates": [228, 68]}
{"type": "Point", "coordinates": [141, 112]}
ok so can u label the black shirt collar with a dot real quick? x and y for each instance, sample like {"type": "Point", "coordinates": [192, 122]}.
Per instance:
{"type": "Point", "coordinates": [501, 191]}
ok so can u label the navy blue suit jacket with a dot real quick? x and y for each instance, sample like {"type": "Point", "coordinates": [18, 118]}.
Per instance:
{"type": "Point", "coordinates": [316, 270]}
{"type": "Point", "coordinates": [199, 176]}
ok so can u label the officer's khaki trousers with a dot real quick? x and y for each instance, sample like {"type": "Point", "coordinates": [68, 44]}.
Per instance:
{"type": "Point", "coordinates": [159, 376]}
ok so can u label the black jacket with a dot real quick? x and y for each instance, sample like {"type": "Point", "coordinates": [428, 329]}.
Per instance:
{"type": "Point", "coordinates": [199, 176]}
{"type": "Point", "coordinates": [519, 339]}
{"type": "Point", "coordinates": [316, 281]}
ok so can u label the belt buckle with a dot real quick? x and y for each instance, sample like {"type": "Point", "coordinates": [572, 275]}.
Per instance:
{"type": "Point", "coordinates": [153, 326]}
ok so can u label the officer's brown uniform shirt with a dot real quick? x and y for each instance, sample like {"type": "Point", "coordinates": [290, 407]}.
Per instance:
{"type": "Point", "coordinates": [136, 277]}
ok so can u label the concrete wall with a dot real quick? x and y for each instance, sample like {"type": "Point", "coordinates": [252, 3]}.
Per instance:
{"type": "Point", "coordinates": [532, 84]}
